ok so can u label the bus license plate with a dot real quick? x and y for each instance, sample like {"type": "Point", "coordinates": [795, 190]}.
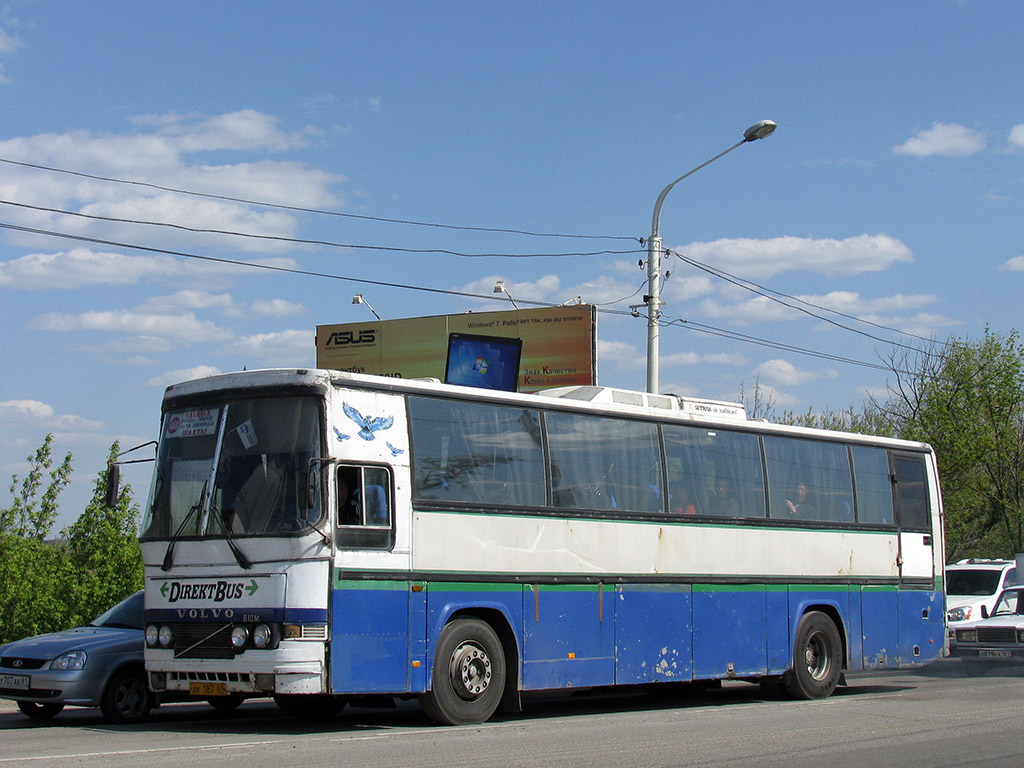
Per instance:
{"type": "Point", "coordinates": [986, 654]}
{"type": "Point", "coordinates": [16, 682]}
{"type": "Point", "coordinates": [208, 689]}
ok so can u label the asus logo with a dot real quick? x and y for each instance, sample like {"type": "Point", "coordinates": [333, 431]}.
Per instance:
{"type": "Point", "coordinates": [349, 338]}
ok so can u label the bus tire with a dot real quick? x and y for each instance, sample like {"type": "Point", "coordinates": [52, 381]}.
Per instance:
{"type": "Point", "coordinates": [817, 658]}
{"type": "Point", "coordinates": [468, 679]}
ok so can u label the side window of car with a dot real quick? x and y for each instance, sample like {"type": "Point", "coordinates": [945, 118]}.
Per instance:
{"type": "Point", "coordinates": [1010, 577]}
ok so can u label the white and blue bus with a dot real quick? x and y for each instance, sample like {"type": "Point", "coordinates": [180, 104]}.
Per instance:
{"type": "Point", "coordinates": [317, 535]}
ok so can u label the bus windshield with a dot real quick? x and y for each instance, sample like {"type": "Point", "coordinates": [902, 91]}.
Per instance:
{"type": "Point", "coordinates": [236, 469]}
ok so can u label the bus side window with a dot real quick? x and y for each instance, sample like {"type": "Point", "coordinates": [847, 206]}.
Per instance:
{"type": "Point", "coordinates": [363, 496]}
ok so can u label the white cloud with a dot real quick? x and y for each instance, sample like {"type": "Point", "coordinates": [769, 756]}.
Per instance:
{"type": "Point", "coordinates": [277, 308]}
{"type": "Point", "coordinates": [278, 350]}
{"type": "Point", "coordinates": [1016, 264]}
{"type": "Point", "coordinates": [157, 153]}
{"type": "Point", "coordinates": [245, 130]}
{"type": "Point", "coordinates": [181, 329]}
{"type": "Point", "coordinates": [1017, 136]}
{"type": "Point", "coordinates": [43, 415]}
{"type": "Point", "coordinates": [542, 289]}
{"type": "Point", "coordinates": [764, 258]}
{"type": "Point", "coordinates": [182, 374]}
{"type": "Point", "coordinates": [8, 43]}
{"type": "Point", "coordinates": [620, 354]}
{"type": "Point", "coordinates": [81, 267]}
{"type": "Point", "coordinates": [784, 373]}
{"type": "Point", "coordinates": [946, 139]}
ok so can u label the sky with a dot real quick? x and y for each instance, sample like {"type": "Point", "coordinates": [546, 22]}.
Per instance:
{"type": "Point", "coordinates": [892, 191]}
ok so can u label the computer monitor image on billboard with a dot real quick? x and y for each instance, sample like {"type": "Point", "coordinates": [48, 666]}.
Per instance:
{"type": "Point", "coordinates": [490, 362]}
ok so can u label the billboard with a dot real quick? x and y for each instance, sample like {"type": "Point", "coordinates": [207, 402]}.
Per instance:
{"type": "Point", "coordinates": [559, 344]}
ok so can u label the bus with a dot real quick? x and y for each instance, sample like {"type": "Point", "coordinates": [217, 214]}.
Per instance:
{"type": "Point", "coordinates": [320, 537]}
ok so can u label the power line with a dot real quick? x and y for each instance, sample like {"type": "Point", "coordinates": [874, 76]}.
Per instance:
{"type": "Point", "coordinates": [257, 265]}
{"type": "Point", "coordinates": [772, 294]}
{"type": "Point", "coordinates": [304, 241]}
{"type": "Point", "coordinates": [301, 209]}
{"type": "Point", "coordinates": [691, 325]}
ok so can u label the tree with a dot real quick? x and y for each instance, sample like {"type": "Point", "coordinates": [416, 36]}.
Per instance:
{"type": "Point", "coordinates": [967, 400]}
{"type": "Point", "coordinates": [104, 548]}
{"type": "Point", "coordinates": [30, 516]}
{"type": "Point", "coordinates": [49, 585]}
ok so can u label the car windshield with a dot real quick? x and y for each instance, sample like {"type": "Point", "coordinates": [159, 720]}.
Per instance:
{"type": "Point", "coordinates": [1009, 603]}
{"type": "Point", "coordinates": [127, 614]}
{"type": "Point", "coordinates": [974, 582]}
{"type": "Point", "coordinates": [236, 469]}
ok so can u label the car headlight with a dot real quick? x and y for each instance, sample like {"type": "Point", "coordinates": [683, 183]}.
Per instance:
{"type": "Point", "coordinates": [152, 635]}
{"type": "Point", "coordinates": [239, 637]}
{"type": "Point", "coordinates": [967, 635]}
{"type": "Point", "coordinates": [165, 636]}
{"type": "Point", "coordinates": [963, 613]}
{"type": "Point", "coordinates": [1020, 635]}
{"type": "Point", "coordinates": [72, 660]}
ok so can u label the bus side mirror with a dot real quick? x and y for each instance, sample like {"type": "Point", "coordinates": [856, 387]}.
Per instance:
{"type": "Point", "coordinates": [984, 611]}
{"type": "Point", "coordinates": [111, 488]}
{"type": "Point", "coordinates": [308, 500]}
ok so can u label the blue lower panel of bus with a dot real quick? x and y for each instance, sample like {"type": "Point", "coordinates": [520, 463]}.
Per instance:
{"type": "Point", "coordinates": [384, 633]}
{"type": "Point", "coordinates": [371, 639]}
{"type": "Point", "coordinates": [568, 636]}
{"type": "Point", "coordinates": [652, 633]}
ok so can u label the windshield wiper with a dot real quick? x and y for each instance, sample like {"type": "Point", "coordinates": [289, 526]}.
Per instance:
{"type": "Point", "coordinates": [169, 554]}
{"type": "Point", "coordinates": [229, 538]}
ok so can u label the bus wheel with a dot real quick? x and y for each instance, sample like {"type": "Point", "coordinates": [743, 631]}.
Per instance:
{"type": "Point", "coordinates": [469, 674]}
{"type": "Point", "coordinates": [817, 658]}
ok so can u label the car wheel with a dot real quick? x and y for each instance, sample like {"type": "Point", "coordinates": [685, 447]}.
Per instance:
{"type": "Point", "coordinates": [39, 711]}
{"type": "Point", "coordinates": [127, 698]}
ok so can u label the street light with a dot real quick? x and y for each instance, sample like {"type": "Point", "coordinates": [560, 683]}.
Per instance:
{"type": "Point", "coordinates": [358, 299]}
{"type": "Point", "coordinates": [759, 130]}
{"type": "Point", "coordinates": [499, 287]}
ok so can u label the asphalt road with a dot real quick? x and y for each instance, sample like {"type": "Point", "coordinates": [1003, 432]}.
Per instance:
{"type": "Point", "coordinates": [937, 716]}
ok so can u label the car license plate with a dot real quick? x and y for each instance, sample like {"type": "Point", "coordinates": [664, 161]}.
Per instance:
{"type": "Point", "coordinates": [208, 689]}
{"type": "Point", "coordinates": [17, 682]}
{"type": "Point", "coordinates": [989, 654]}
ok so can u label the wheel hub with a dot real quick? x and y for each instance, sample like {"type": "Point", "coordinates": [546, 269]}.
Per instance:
{"type": "Point", "coordinates": [470, 671]}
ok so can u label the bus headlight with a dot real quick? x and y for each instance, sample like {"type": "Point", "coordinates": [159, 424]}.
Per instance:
{"type": "Point", "coordinates": [239, 637]}
{"type": "Point", "coordinates": [261, 636]}
{"type": "Point", "coordinates": [165, 636]}
{"type": "Point", "coordinates": [152, 635]}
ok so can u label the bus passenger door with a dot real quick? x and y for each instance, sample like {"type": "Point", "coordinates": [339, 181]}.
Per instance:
{"type": "Point", "coordinates": [370, 611]}
{"type": "Point", "coordinates": [913, 515]}
{"type": "Point", "coordinates": [921, 607]}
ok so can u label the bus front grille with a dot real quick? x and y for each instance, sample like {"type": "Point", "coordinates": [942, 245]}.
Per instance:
{"type": "Point", "coordinates": [203, 641]}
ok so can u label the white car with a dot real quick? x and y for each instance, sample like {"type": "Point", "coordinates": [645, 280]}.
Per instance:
{"type": "Point", "coordinates": [970, 586]}
{"type": "Point", "coordinates": [999, 636]}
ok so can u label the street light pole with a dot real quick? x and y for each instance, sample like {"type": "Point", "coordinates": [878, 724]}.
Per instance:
{"type": "Point", "coordinates": [759, 130]}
